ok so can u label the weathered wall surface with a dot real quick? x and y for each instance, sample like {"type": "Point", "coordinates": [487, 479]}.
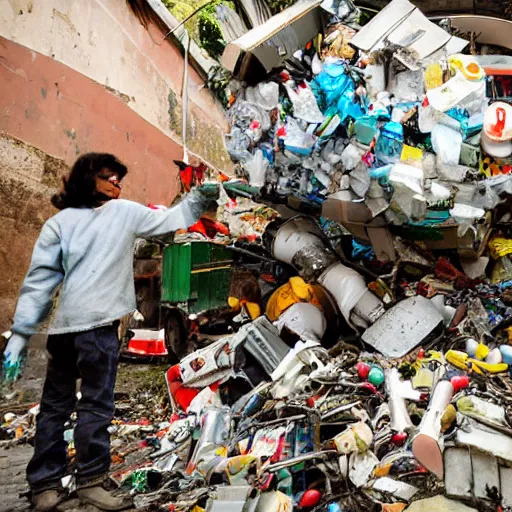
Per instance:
{"type": "Point", "coordinates": [78, 76]}
{"type": "Point", "coordinates": [102, 40]}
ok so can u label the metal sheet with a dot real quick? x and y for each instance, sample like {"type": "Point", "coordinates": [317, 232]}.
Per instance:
{"type": "Point", "coordinates": [401, 23]}
{"type": "Point", "coordinates": [264, 344]}
{"type": "Point", "coordinates": [381, 24]}
{"type": "Point", "coordinates": [403, 327]}
{"type": "Point", "coordinates": [276, 40]}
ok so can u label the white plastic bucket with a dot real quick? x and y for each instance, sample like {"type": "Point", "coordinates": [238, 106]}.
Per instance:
{"type": "Point", "coordinates": [305, 320]}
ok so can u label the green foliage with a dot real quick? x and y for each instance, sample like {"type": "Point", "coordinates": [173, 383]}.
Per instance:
{"type": "Point", "coordinates": [181, 9]}
{"type": "Point", "coordinates": [203, 27]}
{"type": "Point", "coordinates": [210, 36]}
{"type": "Point", "coordinates": [279, 5]}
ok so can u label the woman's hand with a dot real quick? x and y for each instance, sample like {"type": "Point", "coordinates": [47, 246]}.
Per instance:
{"type": "Point", "coordinates": [13, 357]}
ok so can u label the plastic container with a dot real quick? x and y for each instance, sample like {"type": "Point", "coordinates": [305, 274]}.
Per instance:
{"type": "Point", "coordinates": [293, 236]}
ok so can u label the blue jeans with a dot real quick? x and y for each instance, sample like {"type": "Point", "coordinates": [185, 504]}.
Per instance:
{"type": "Point", "coordinates": [92, 356]}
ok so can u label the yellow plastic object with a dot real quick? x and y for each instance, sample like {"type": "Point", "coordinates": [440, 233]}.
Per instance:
{"type": "Point", "coordinates": [433, 76]}
{"type": "Point", "coordinates": [500, 247]}
{"type": "Point", "coordinates": [252, 308]}
{"type": "Point", "coordinates": [294, 291]}
{"type": "Point", "coordinates": [468, 66]}
{"type": "Point", "coordinates": [481, 351]}
{"type": "Point", "coordinates": [448, 417]}
{"type": "Point", "coordinates": [411, 155]}
{"type": "Point", "coordinates": [462, 361]}
{"type": "Point", "coordinates": [234, 303]}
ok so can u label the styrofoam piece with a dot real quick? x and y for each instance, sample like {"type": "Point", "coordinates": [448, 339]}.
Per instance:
{"type": "Point", "coordinates": [458, 476]}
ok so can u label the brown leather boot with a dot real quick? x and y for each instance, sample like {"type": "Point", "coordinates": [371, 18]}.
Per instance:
{"type": "Point", "coordinates": [102, 499]}
{"type": "Point", "coordinates": [47, 501]}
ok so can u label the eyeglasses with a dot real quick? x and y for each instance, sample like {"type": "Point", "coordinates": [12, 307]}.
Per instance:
{"type": "Point", "coordinates": [111, 179]}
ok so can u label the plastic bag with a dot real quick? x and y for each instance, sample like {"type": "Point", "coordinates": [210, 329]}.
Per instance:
{"type": "Point", "coordinates": [304, 103]}
{"type": "Point", "coordinates": [447, 144]}
{"type": "Point", "coordinates": [389, 145]}
{"type": "Point", "coordinates": [237, 144]}
{"type": "Point", "coordinates": [329, 153]}
{"type": "Point", "coordinates": [295, 140]}
{"type": "Point", "coordinates": [351, 157]}
{"type": "Point", "coordinates": [335, 91]}
{"type": "Point", "coordinates": [407, 183]}
{"type": "Point", "coordinates": [257, 167]}
{"type": "Point", "coordinates": [243, 113]}
{"type": "Point", "coordinates": [362, 251]}
{"type": "Point", "coordinates": [360, 179]}
{"type": "Point", "coordinates": [465, 215]}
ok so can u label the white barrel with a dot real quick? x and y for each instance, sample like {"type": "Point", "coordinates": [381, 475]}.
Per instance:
{"type": "Point", "coordinates": [345, 285]}
{"type": "Point", "coordinates": [293, 236]}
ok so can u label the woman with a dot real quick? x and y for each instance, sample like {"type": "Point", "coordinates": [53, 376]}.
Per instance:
{"type": "Point", "coordinates": [87, 249]}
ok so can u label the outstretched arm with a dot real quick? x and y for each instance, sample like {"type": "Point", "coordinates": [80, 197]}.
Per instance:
{"type": "Point", "coordinates": [150, 222]}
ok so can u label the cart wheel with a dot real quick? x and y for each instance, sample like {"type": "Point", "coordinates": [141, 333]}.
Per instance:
{"type": "Point", "coordinates": [175, 336]}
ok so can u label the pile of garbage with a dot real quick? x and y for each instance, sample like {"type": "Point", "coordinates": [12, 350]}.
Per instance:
{"type": "Point", "coordinates": [377, 376]}
{"type": "Point", "coordinates": [388, 128]}
{"type": "Point", "coordinates": [412, 411]}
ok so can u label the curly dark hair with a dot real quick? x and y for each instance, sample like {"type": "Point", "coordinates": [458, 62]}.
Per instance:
{"type": "Point", "coordinates": [79, 188]}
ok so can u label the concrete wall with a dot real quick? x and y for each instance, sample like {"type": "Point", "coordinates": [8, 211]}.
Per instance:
{"type": "Point", "coordinates": [85, 75]}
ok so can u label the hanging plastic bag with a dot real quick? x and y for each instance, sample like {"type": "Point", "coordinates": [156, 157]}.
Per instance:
{"type": "Point", "coordinates": [257, 166]}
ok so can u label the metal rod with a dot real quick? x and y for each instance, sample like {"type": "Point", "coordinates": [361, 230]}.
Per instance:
{"type": "Point", "coordinates": [188, 18]}
{"type": "Point", "coordinates": [301, 458]}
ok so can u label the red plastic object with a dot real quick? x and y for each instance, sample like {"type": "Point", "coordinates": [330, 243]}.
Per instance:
{"type": "Point", "coordinates": [399, 438]}
{"type": "Point", "coordinates": [147, 347]}
{"type": "Point", "coordinates": [363, 369]}
{"type": "Point", "coordinates": [208, 227]}
{"type": "Point", "coordinates": [497, 129]}
{"type": "Point", "coordinates": [311, 498]}
{"type": "Point", "coordinates": [460, 382]}
{"type": "Point", "coordinates": [187, 176]}
{"type": "Point", "coordinates": [369, 387]}
{"type": "Point", "coordinates": [181, 394]}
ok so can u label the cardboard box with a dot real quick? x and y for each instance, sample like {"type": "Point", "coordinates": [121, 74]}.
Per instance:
{"type": "Point", "coordinates": [273, 42]}
{"type": "Point", "coordinates": [444, 236]}
{"type": "Point", "coordinates": [357, 218]}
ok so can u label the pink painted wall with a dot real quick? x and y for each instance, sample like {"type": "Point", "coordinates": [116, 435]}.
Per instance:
{"type": "Point", "coordinates": [63, 113]}
{"type": "Point", "coordinates": [104, 41]}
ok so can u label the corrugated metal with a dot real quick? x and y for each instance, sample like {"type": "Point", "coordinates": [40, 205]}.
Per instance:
{"type": "Point", "coordinates": [197, 274]}
{"type": "Point", "coordinates": [177, 265]}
